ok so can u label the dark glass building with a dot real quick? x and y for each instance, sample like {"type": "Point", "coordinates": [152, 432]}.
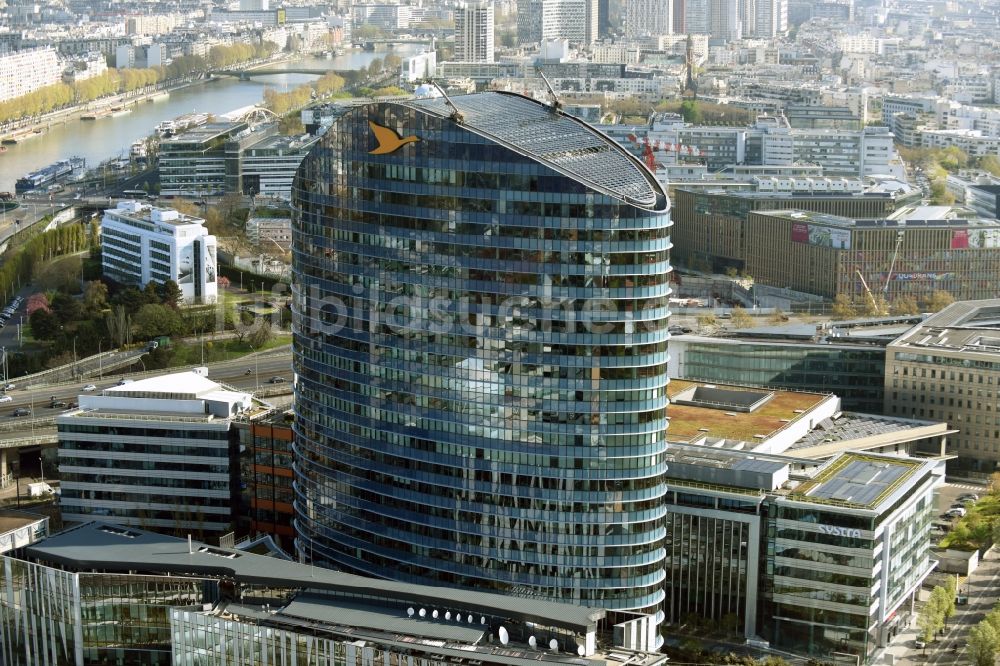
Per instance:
{"type": "Point", "coordinates": [481, 352]}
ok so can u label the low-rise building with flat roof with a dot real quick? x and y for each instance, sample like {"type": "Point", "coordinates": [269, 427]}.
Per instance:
{"type": "Point", "coordinates": [19, 529]}
{"type": "Point", "coordinates": [814, 557]}
{"type": "Point", "coordinates": [189, 602]}
{"type": "Point", "coordinates": [155, 453]}
{"type": "Point", "coordinates": [793, 424]}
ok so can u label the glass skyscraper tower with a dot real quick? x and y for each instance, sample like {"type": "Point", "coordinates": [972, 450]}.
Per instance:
{"type": "Point", "coordinates": [481, 352]}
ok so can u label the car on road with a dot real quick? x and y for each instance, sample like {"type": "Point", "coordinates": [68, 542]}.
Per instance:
{"type": "Point", "coordinates": [21, 411]}
{"type": "Point", "coordinates": [89, 387]}
{"type": "Point", "coordinates": [9, 387]}
{"type": "Point", "coordinates": [5, 398]}
{"type": "Point", "coordinates": [961, 600]}
{"type": "Point", "coordinates": [277, 379]}
{"type": "Point", "coordinates": [61, 404]}
{"type": "Point", "coordinates": [919, 644]}
{"type": "Point", "coordinates": [123, 382]}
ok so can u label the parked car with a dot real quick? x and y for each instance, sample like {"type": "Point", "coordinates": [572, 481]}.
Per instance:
{"type": "Point", "coordinates": [5, 398]}
{"type": "Point", "coordinates": [968, 497]}
{"type": "Point", "coordinates": [956, 512]}
{"type": "Point", "coordinates": [961, 600]}
{"type": "Point", "coordinates": [919, 644]}
{"type": "Point", "coordinates": [89, 387]}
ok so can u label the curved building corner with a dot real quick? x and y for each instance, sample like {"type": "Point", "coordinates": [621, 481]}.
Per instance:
{"type": "Point", "coordinates": [480, 343]}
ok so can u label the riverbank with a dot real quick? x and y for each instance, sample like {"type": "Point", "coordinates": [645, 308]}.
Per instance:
{"type": "Point", "coordinates": [104, 106]}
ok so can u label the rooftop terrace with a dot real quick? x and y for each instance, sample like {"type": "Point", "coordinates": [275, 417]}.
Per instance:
{"type": "Point", "coordinates": [689, 422]}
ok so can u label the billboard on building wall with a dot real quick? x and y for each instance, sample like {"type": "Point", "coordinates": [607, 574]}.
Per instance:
{"type": "Point", "coordinates": [984, 238]}
{"type": "Point", "coordinates": [812, 234]}
{"type": "Point", "coordinates": [800, 232]}
{"type": "Point", "coordinates": [959, 239]}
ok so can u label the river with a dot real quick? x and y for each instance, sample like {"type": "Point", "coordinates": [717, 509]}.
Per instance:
{"type": "Point", "coordinates": [97, 140]}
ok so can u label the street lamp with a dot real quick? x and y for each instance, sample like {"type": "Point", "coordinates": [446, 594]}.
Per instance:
{"type": "Point", "coordinates": [256, 372]}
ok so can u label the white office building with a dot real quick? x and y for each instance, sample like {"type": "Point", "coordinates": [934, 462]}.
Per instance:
{"type": "Point", "coordinates": [22, 72]}
{"type": "Point", "coordinates": [474, 32]}
{"type": "Point", "coordinates": [142, 244]}
{"type": "Point", "coordinates": [153, 453]}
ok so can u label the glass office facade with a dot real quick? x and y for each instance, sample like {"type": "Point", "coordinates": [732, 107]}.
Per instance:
{"type": "Point", "coordinates": [855, 374]}
{"type": "Point", "coordinates": [50, 617]}
{"type": "Point", "coordinates": [481, 350]}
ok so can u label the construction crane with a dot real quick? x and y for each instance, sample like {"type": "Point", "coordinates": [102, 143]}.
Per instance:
{"type": "Point", "coordinates": [879, 311]}
{"type": "Point", "coordinates": [892, 265]}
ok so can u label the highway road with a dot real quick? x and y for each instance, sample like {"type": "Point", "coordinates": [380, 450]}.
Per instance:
{"type": "Point", "coordinates": [267, 365]}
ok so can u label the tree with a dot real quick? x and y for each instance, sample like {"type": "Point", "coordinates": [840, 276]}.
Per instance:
{"type": "Point", "coordinates": [130, 298]}
{"type": "Point", "coordinates": [260, 334]}
{"type": "Point", "coordinates": [990, 164]}
{"type": "Point", "coordinates": [67, 309]}
{"type": "Point", "coordinates": [171, 294]}
{"type": "Point", "coordinates": [706, 320]}
{"type": "Point", "coordinates": [61, 274]}
{"type": "Point", "coordinates": [95, 296]}
{"type": "Point", "coordinates": [154, 320]}
{"type": "Point", "coordinates": [690, 112]}
{"type": "Point", "coordinates": [150, 294]}
{"type": "Point", "coordinates": [40, 301]}
{"type": "Point", "coordinates": [741, 318]}
{"type": "Point", "coordinates": [44, 324]}
{"type": "Point", "coordinates": [843, 308]}
{"type": "Point", "coordinates": [929, 621]}
{"type": "Point", "coordinates": [944, 602]}
{"type": "Point", "coordinates": [983, 644]}
{"type": "Point", "coordinates": [905, 305]}
{"type": "Point", "coordinates": [119, 324]}
{"type": "Point", "coordinates": [939, 300]}
{"type": "Point", "coordinates": [940, 194]}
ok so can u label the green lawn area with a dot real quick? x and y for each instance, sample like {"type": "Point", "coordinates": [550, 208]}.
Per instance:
{"type": "Point", "coordinates": [687, 421]}
{"type": "Point", "coordinates": [190, 353]}
{"type": "Point", "coordinates": [976, 529]}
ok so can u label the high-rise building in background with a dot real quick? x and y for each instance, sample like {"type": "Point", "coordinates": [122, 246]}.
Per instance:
{"type": "Point", "coordinates": [573, 20]}
{"type": "Point", "coordinates": [474, 32]}
{"type": "Point", "coordinates": [648, 17]}
{"type": "Point", "coordinates": [771, 18]}
{"type": "Point", "coordinates": [480, 344]}
{"type": "Point", "coordinates": [748, 16]}
{"type": "Point", "coordinates": [604, 27]}
{"type": "Point", "coordinates": [696, 17]}
{"type": "Point", "coordinates": [529, 22]}
{"type": "Point", "coordinates": [724, 19]}
{"type": "Point", "coordinates": [680, 17]}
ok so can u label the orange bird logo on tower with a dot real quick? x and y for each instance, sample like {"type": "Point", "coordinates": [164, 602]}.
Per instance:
{"type": "Point", "coordinates": [388, 140]}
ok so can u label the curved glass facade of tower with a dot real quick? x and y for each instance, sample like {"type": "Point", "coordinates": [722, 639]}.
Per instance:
{"type": "Point", "coordinates": [481, 352]}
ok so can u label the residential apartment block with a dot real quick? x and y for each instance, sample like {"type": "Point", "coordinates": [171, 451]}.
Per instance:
{"type": "Point", "coordinates": [474, 31]}
{"type": "Point", "coordinates": [22, 72]}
